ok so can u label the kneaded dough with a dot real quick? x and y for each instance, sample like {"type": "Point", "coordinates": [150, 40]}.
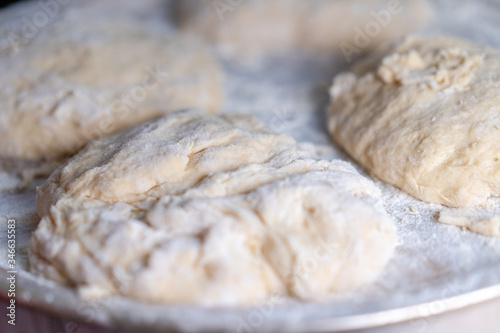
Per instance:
{"type": "Point", "coordinates": [77, 79]}
{"type": "Point", "coordinates": [214, 210]}
{"type": "Point", "coordinates": [256, 27]}
{"type": "Point", "coordinates": [424, 115]}
{"type": "Point", "coordinates": [486, 224]}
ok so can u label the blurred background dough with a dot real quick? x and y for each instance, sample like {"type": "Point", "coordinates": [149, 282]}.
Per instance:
{"type": "Point", "coordinates": [246, 28]}
{"type": "Point", "coordinates": [78, 79]}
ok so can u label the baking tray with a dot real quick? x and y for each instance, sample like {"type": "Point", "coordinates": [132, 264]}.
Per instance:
{"type": "Point", "coordinates": [436, 268]}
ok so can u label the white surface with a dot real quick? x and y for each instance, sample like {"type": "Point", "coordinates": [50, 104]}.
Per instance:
{"type": "Point", "coordinates": [433, 262]}
{"type": "Point", "coordinates": [482, 318]}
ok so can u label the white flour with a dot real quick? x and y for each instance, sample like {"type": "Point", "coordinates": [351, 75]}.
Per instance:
{"type": "Point", "coordinates": [432, 263]}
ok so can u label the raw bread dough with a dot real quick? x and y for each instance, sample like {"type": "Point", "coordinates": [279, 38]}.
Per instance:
{"type": "Point", "coordinates": [424, 116]}
{"type": "Point", "coordinates": [256, 27]}
{"type": "Point", "coordinates": [194, 208]}
{"type": "Point", "coordinates": [479, 222]}
{"type": "Point", "coordinates": [78, 79]}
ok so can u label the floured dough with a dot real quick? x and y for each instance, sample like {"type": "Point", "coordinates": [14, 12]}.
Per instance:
{"type": "Point", "coordinates": [243, 28]}
{"type": "Point", "coordinates": [78, 79]}
{"type": "Point", "coordinates": [485, 224]}
{"type": "Point", "coordinates": [424, 115]}
{"type": "Point", "coordinates": [194, 208]}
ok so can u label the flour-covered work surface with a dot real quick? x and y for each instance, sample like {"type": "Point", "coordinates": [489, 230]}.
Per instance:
{"type": "Point", "coordinates": [414, 267]}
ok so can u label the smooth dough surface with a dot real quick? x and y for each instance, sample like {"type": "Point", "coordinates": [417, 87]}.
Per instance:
{"type": "Point", "coordinates": [424, 115]}
{"type": "Point", "coordinates": [74, 79]}
{"type": "Point", "coordinates": [214, 210]}
{"type": "Point", "coordinates": [243, 28]}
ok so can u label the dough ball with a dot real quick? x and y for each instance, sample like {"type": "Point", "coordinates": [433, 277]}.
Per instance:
{"type": "Point", "coordinates": [193, 208]}
{"type": "Point", "coordinates": [423, 115]}
{"type": "Point", "coordinates": [253, 28]}
{"type": "Point", "coordinates": [92, 70]}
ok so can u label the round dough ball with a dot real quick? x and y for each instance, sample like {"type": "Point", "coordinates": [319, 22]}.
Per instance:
{"type": "Point", "coordinates": [77, 79]}
{"type": "Point", "coordinates": [423, 115]}
{"type": "Point", "coordinates": [193, 208]}
{"type": "Point", "coordinates": [253, 28]}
